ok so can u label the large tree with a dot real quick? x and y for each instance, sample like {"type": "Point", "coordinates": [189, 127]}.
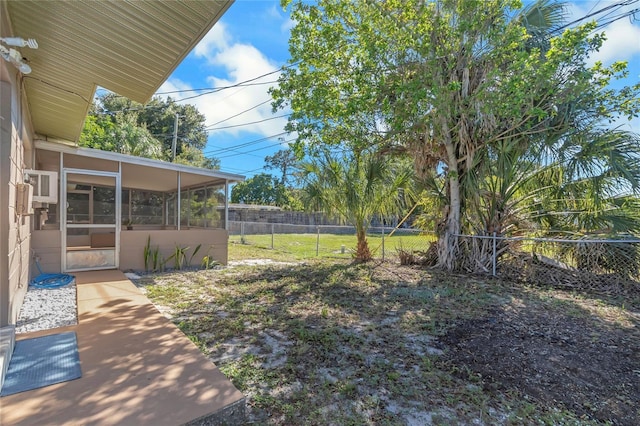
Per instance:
{"type": "Point", "coordinates": [450, 82]}
{"type": "Point", "coordinates": [264, 189]}
{"type": "Point", "coordinates": [122, 134]}
{"type": "Point", "coordinates": [115, 123]}
{"type": "Point", "coordinates": [286, 161]}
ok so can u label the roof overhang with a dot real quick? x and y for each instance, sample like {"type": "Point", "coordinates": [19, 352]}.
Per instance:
{"type": "Point", "coordinates": [137, 172]}
{"type": "Point", "coordinates": [129, 47]}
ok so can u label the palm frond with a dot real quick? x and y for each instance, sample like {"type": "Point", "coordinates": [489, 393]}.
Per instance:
{"type": "Point", "coordinates": [542, 16]}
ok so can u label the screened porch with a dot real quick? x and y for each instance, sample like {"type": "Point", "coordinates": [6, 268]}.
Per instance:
{"type": "Point", "coordinates": [111, 206]}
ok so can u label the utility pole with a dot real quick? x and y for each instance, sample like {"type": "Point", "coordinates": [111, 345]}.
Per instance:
{"type": "Point", "coordinates": [175, 139]}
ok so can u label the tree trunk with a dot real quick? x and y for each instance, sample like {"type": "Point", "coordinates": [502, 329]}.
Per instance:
{"type": "Point", "coordinates": [363, 254]}
{"type": "Point", "coordinates": [448, 238]}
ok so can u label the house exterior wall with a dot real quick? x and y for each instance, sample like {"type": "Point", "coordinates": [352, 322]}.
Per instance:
{"type": "Point", "coordinates": [46, 249]}
{"type": "Point", "coordinates": [15, 230]}
{"type": "Point", "coordinates": [214, 243]}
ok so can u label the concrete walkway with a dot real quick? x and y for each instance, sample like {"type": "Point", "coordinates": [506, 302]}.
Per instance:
{"type": "Point", "coordinates": [137, 368]}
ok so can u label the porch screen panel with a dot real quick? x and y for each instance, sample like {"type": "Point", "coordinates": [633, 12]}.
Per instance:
{"type": "Point", "coordinates": [126, 213]}
{"type": "Point", "coordinates": [79, 204]}
{"type": "Point", "coordinates": [198, 208]}
{"type": "Point", "coordinates": [215, 206]}
{"type": "Point", "coordinates": [90, 248]}
{"type": "Point", "coordinates": [171, 209]}
{"type": "Point", "coordinates": [184, 208]}
{"type": "Point", "coordinates": [104, 205]}
{"type": "Point", "coordinates": [147, 207]}
{"type": "Point", "coordinates": [90, 234]}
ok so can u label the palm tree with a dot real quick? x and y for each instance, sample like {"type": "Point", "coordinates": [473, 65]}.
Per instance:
{"type": "Point", "coordinates": [129, 138]}
{"type": "Point", "coordinates": [541, 18]}
{"type": "Point", "coordinates": [356, 187]}
{"type": "Point", "coordinates": [454, 83]}
{"type": "Point", "coordinates": [119, 133]}
{"type": "Point", "coordinates": [570, 178]}
{"type": "Point", "coordinates": [472, 196]}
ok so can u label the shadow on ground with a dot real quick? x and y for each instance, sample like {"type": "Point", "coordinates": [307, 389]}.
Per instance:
{"type": "Point", "coordinates": [343, 343]}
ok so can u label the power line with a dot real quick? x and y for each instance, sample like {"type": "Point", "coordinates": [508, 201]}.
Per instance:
{"type": "Point", "coordinates": [250, 123]}
{"type": "Point", "coordinates": [245, 144]}
{"type": "Point", "coordinates": [234, 170]}
{"type": "Point", "coordinates": [594, 6]}
{"type": "Point", "coordinates": [216, 88]}
{"type": "Point", "coordinates": [240, 113]}
{"type": "Point", "coordinates": [597, 12]}
{"type": "Point", "coordinates": [236, 153]}
{"type": "Point", "coordinates": [229, 149]}
{"type": "Point", "coordinates": [244, 83]}
{"type": "Point", "coordinates": [631, 12]}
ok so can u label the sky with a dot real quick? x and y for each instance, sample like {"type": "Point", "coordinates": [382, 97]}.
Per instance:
{"type": "Point", "coordinates": [251, 42]}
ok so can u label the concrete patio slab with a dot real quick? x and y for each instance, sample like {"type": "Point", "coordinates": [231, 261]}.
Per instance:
{"type": "Point", "coordinates": [137, 368]}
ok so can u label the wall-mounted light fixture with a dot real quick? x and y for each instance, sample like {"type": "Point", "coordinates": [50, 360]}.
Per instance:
{"type": "Point", "coordinates": [15, 57]}
{"type": "Point", "coordinates": [20, 42]}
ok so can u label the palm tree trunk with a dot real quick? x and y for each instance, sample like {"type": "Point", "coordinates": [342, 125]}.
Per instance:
{"type": "Point", "coordinates": [363, 254]}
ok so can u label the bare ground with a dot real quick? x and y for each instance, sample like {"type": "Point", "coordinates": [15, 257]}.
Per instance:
{"type": "Point", "coordinates": [556, 357]}
{"type": "Point", "coordinates": [335, 343]}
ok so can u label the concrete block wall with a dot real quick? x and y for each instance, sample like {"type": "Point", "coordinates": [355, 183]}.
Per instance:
{"type": "Point", "coordinates": [15, 230]}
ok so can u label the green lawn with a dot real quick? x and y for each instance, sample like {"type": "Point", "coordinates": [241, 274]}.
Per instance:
{"type": "Point", "coordinates": [307, 246]}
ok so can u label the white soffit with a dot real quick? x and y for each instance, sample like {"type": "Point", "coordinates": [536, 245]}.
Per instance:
{"type": "Point", "coordinates": [129, 47]}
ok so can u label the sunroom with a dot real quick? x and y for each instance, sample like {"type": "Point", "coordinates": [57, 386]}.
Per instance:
{"type": "Point", "coordinates": [102, 210]}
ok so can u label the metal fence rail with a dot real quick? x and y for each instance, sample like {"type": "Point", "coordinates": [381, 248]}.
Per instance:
{"type": "Point", "coordinates": [609, 265]}
{"type": "Point", "coordinates": [328, 240]}
{"type": "Point", "coordinates": [605, 264]}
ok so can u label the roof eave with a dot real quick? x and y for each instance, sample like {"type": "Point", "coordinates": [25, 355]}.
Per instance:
{"type": "Point", "coordinates": [67, 147]}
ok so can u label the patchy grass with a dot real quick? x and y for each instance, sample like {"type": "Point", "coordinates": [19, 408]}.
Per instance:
{"type": "Point", "coordinates": [330, 342]}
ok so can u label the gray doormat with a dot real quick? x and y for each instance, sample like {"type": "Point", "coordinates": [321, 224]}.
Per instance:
{"type": "Point", "coordinates": [42, 361]}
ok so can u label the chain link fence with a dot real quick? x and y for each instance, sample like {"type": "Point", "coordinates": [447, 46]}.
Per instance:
{"type": "Point", "coordinates": [605, 265]}
{"type": "Point", "coordinates": [306, 241]}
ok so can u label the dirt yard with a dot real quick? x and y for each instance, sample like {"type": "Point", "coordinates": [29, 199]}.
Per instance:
{"type": "Point", "coordinates": [555, 357]}
{"type": "Point", "coordinates": [335, 343]}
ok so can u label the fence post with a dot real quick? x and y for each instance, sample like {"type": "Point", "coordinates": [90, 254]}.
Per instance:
{"type": "Point", "coordinates": [493, 254]}
{"type": "Point", "coordinates": [242, 240]}
{"type": "Point", "coordinates": [272, 236]}
{"type": "Point", "coordinates": [318, 242]}
{"type": "Point", "coordinates": [383, 243]}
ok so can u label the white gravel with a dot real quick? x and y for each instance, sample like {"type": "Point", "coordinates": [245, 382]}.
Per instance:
{"type": "Point", "coordinates": [44, 309]}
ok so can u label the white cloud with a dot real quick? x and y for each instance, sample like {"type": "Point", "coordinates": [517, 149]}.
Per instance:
{"type": "Point", "coordinates": [240, 62]}
{"type": "Point", "coordinates": [276, 13]}
{"type": "Point", "coordinates": [623, 42]}
{"type": "Point", "coordinates": [216, 39]}
{"type": "Point", "coordinates": [287, 25]}
{"type": "Point", "coordinates": [623, 37]}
